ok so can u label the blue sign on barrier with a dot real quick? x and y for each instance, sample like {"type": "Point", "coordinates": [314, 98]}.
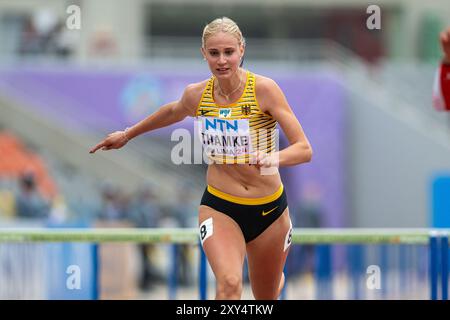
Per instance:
{"type": "Point", "coordinates": [440, 198]}
{"type": "Point", "coordinates": [70, 271]}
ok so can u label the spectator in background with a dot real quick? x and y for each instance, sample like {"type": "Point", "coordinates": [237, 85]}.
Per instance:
{"type": "Point", "coordinates": [44, 33]}
{"type": "Point", "coordinates": [441, 90]}
{"type": "Point", "coordinates": [144, 210]}
{"type": "Point", "coordinates": [145, 213]}
{"type": "Point", "coordinates": [310, 214]}
{"type": "Point", "coordinates": [64, 41]}
{"type": "Point", "coordinates": [185, 208]}
{"type": "Point", "coordinates": [307, 213]}
{"type": "Point", "coordinates": [30, 42]}
{"type": "Point", "coordinates": [112, 208]}
{"type": "Point", "coordinates": [184, 211]}
{"type": "Point", "coordinates": [29, 203]}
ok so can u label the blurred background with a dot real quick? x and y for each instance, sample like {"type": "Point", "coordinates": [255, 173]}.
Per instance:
{"type": "Point", "coordinates": [73, 71]}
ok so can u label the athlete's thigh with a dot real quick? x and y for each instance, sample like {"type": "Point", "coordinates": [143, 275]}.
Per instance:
{"type": "Point", "coordinates": [266, 256]}
{"type": "Point", "coordinates": [224, 244]}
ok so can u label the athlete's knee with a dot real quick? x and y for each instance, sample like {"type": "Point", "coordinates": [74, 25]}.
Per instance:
{"type": "Point", "coordinates": [229, 286]}
{"type": "Point", "coordinates": [270, 293]}
{"type": "Point", "coordinates": [267, 294]}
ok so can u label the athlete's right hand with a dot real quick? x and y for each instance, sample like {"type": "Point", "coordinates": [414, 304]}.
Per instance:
{"type": "Point", "coordinates": [115, 140]}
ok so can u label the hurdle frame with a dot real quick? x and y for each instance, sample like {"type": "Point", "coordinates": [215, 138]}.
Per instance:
{"type": "Point", "coordinates": [436, 239]}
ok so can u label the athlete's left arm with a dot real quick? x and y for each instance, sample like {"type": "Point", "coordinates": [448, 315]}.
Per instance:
{"type": "Point", "coordinates": [273, 101]}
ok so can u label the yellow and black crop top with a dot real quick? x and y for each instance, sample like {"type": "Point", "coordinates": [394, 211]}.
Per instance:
{"type": "Point", "coordinates": [230, 133]}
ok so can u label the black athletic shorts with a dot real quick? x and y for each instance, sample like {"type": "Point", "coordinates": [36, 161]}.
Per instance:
{"type": "Point", "coordinates": [253, 215]}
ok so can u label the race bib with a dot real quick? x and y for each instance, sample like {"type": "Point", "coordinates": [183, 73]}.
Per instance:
{"type": "Point", "coordinates": [225, 137]}
{"type": "Point", "coordinates": [288, 238]}
{"type": "Point", "coordinates": [206, 229]}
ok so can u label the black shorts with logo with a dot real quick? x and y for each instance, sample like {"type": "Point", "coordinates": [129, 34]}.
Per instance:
{"type": "Point", "coordinates": [253, 215]}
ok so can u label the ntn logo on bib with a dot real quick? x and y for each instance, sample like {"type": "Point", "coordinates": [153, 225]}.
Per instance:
{"type": "Point", "coordinates": [229, 138]}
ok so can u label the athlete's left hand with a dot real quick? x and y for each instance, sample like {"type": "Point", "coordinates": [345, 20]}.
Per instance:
{"type": "Point", "coordinates": [267, 160]}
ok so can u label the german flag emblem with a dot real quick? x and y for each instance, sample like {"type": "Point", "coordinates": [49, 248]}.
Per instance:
{"type": "Point", "coordinates": [246, 109]}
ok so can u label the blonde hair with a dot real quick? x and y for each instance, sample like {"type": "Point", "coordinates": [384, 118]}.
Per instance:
{"type": "Point", "coordinates": [225, 25]}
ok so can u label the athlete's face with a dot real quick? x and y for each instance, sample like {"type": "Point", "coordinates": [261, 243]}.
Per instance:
{"type": "Point", "coordinates": [223, 53]}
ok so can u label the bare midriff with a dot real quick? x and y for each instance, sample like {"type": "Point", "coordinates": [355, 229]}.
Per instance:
{"type": "Point", "coordinates": [242, 180]}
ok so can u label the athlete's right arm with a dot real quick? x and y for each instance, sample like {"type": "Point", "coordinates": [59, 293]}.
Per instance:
{"type": "Point", "coordinates": [166, 115]}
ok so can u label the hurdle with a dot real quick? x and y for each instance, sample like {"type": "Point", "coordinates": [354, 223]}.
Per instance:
{"type": "Point", "coordinates": [435, 239]}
